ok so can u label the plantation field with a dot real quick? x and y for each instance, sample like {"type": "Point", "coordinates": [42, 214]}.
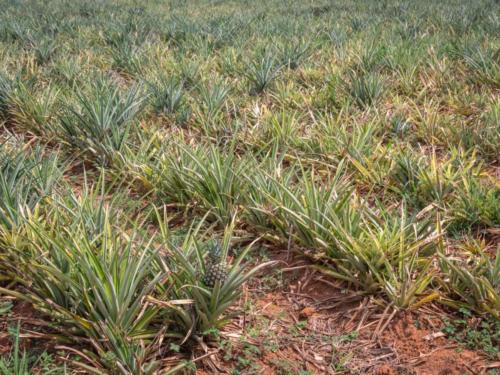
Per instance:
{"type": "Point", "coordinates": [249, 187]}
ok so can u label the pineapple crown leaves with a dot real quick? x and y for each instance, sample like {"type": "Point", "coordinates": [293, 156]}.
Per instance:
{"type": "Point", "coordinates": [215, 251]}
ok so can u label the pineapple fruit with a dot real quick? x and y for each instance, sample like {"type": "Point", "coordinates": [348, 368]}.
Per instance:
{"type": "Point", "coordinates": [216, 267]}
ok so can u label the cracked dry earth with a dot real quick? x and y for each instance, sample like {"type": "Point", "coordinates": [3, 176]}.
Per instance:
{"type": "Point", "coordinates": [309, 324]}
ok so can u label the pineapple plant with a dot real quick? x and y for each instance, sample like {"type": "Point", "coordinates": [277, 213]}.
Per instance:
{"type": "Point", "coordinates": [195, 269]}
{"type": "Point", "coordinates": [215, 267]}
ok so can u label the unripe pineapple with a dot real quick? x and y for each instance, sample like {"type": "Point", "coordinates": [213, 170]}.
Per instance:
{"type": "Point", "coordinates": [215, 268]}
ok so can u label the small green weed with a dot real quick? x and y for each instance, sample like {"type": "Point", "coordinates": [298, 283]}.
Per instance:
{"type": "Point", "coordinates": [475, 334]}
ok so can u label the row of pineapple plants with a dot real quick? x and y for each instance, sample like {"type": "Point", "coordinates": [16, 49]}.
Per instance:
{"type": "Point", "coordinates": [364, 243]}
{"type": "Point", "coordinates": [334, 219]}
{"type": "Point", "coordinates": [108, 284]}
